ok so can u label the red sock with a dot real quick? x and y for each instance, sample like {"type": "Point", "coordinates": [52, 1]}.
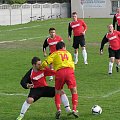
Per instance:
{"type": "Point", "coordinates": [57, 101]}
{"type": "Point", "coordinates": [74, 101]}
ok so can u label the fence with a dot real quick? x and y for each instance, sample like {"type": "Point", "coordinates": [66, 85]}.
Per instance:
{"type": "Point", "coordinates": [19, 14]}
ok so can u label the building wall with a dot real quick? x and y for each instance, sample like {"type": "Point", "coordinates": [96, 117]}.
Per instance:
{"type": "Point", "coordinates": [92, 8]}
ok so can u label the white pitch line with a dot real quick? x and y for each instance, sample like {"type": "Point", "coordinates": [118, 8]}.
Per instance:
{"type": "Point", "coordinates": [111, 93]}
{"type": "Point", "coordinates": [30, 27]}
{"type": "Point", "coordinates": [20, 40]}
{"type": "Point", "coordinates": [88, 97]}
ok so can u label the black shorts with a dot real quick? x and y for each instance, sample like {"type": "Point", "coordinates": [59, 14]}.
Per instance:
{"type": "Point", "coordinates": [114, 53]}
{"type": "Point", "coordinates": [78, 40]}
{"type": "Point", "coordinates": [118, 28]}
{"type": "Point", "coordinates": [37, 93]}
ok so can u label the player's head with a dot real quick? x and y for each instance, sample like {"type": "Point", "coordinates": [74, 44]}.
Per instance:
{"type": "Point", "coordinates": [74, 15]}
{"type": "Point", "coordinates": [52, 32]}
{"type": "Point", "coordinates": [36, 62]}
{"type": "Point", "coordinates": [110, 28]}
{"type": "Point", "coordinates": [60, 45]}
{"type": "Point", "coordinates": [118, 10]}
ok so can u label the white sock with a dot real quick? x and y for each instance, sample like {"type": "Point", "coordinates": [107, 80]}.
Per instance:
{"type": "Point", "coordinates": [118, 65]}
{"type": "Point", "coordinates": [110, 67]}
{"type": "Point", "coordinates": [24, 108]}
{"type": "Point", "coordinates": [84, 53]}
{"type": "Point", "coordinates": [65, 102]}
{"type": "Point", "coordinates": [76, 56]}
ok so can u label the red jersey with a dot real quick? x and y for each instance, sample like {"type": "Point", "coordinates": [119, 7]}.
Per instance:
{"type": "Point", "coordinates": [78, 27]}
{"type": "Point", "coordinates": [114, 39]}
{"type": "Point", "coordinates": [52, 43]}
{"type": "Point", "coordinates": [118, 19]}
{"type": "Point", "coordinates": [39, 78]}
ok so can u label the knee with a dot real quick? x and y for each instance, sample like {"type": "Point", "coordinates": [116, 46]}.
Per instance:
{"type": "Point", "coordinates": [30, 100]}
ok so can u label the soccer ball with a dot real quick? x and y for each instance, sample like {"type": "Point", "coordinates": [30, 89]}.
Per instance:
{"type": "Point", "coordinates": [96, 110]}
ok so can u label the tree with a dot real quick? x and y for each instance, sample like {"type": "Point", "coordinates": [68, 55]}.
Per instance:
{"type": "Point", "coordinates": [16, 1]}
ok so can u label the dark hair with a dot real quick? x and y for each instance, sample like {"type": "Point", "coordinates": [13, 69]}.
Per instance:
{"type": "Point", "coordinates": [51, 29]}
{"type": "Point", "coordinates": [60, 45]}
{"type": "Point", "coordinates": [74, 13]}
{"type": "Point", "coordinates": [34, 60]}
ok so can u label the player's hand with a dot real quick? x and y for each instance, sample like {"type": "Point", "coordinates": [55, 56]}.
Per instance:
{"type": "Point", "coordinates": [83, 33]}
{"type": "Point", "coordinates": [30, 85]}
{"type": "Point", "coordinates": [101, 52]}
{"type": "Point", "coordinates": [45, 54]}
{"type": "Point", "coordinates": [69, 38]}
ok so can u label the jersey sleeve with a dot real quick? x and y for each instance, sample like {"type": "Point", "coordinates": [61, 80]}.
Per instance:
{"type": "Point", "coordinates": [45, 44]}
{"type": "Point", "coordinates": [48, 60]}
{"type": "Point", "coordinates": [26, 79]}
{"type": "Point", "coordinates": [49, 72]}
{"type": "Point", "coordinates": [114, 21]}
{"type": "Point", "coordinates": [104, 40]}
{"type": "Point", "coordinates": [69, 30]}
{"type": "Point", "coordinates": [84, 25]}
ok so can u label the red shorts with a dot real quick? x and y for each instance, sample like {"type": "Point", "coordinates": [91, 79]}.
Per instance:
{"type": "Point", "coordinates": [65, 75]}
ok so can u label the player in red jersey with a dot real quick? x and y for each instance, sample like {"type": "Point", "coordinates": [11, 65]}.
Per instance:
{"type": "Point", "coordinates": [113, 37]}
{"type": "Point", "coordinates": [79, 28]}
{"type": "Point", "coordinates": [35, 80]}
{"type": "Point", "coordinates": [116, 19]}
{"type": "Point", "coordinates": [51, 41]}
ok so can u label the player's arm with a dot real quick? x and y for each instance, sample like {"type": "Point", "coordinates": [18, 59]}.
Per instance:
{"type": "Point", "coordinates": [26, 80]}
{"type": "Point", "coordinates": [85, 26]}
{"type": "Point", "coordinates": [44, 47]}
{"type": "Point", "coordinates": [114, 21]}
{"type": "Point", "coordinates": [69, 31]}
{"type": "Point", "coordinates": [47, 61]}
{"type": "Point", "coordinates": [49, 72]}
{"type": "Point", "coordinates": [104, 40]}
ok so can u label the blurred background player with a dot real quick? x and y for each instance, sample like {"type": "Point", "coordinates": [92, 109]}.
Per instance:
{"type": "Point", "coordinates": [79, 28]}
{"type": "Point", "coordinates": [51, 41]}
{"type": "Point", "coordinates": [113, 37]}
{"type": "Point", "coordinates": [64, 66]}
{"type": "Point", "coordinates": [35, 80]}
{"type": "Point", "coordinates": [116, 19]}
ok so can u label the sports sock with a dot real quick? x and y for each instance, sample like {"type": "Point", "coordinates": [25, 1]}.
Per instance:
{"type": "Point", "coordinates": [84, 53]}
{"type": "Point", "coordinates": [118, 65]}
{"type": "Point", "coordinates": [110, 67]}
{"type": "Point", "coordinates": [74, 101]}
{"type": "Point", "coordinates": [76, 56]}
{"type": "Point", "coordinates": [57, 101]}
{"type": "Point", "coordinates": [24, 108]}
{"type": "Point", "coordinates": [65, 101]}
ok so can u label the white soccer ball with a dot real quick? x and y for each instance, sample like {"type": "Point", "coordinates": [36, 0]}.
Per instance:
{"type": "Point", "coordinates": [96, 110]}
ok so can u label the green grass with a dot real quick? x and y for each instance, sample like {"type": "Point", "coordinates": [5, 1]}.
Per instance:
{"type": "Point", "coordinates": [95, 86]}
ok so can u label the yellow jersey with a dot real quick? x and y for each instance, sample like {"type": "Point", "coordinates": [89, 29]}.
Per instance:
{"type": "Point", "coordinates": [59, 59]}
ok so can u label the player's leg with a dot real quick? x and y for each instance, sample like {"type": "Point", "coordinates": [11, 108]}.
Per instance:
{"type": "Point", "coordinates": [25, 107]}
{"type": "Point", "coordinates": [117, 58]}
{"type": "Point", "coordinates": [76, 46]}
{"type": "Point", "coordinates": [58, 103]}
{"type": "Point", "coordinates": [65, 101]}
{"type": "Point", "coordinates": [75, 56]}
{"type": "Point", "coordinates": [111, 60]}
{"type": "Point", "coordinates": [71, 83]}
{"type": "Point", "coordinates": [33, 96]}
{"type": "Point", "coordinates": [84, 52]}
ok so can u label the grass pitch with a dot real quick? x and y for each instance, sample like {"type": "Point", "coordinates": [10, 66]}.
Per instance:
{"type": "Point", "coordinates": [19, 43]}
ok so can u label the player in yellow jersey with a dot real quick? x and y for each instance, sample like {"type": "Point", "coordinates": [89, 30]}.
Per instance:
{"type": "Point", "coordinates": [64, 66]}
